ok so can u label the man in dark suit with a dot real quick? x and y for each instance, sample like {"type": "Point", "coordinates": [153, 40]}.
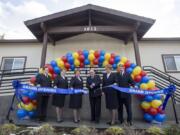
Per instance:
{"type": "Point", "coordinates": [44, 80]}
{"type": "Point", "coordinates": [93, 84]}
{"type": "Point", "coordinates": [124, 79]}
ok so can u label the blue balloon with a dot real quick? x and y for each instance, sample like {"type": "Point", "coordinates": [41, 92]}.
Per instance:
{"type": "Point", "coordinates": [133, 65]}
{"type": "Point", "coordinates": [117, 59]}
{"type": "Point", "coordinates": [53, 63]}
{"type": "Point", "coordinates": [86, 62]}
{"type": "Point", "coordinates": [157, 96]}
{"type": "Point", "coordinates": [57, 70]}
{"type": "Point", "coordinates": [21, 113]}
{"type": "Point", "coordinates": [102, 53]}
{"type": "Point", "coordinates": [114, 66]}
{"type": "Point", "coordinates": [145, 79]}
{"type": "Point", "coordinates": [25, 93]}
{"type": "Point", "coordinates": [148, 117]}
{"type": "Point", "coordinates": [70, 60]}
{"type": "Point", "coordinates": [32, 114]}
{"type": "Point", "coordinates": [32, 95]}
{"type": "Point", "coordinates": [101, 59]}
{"type": "Point", "coordinates": [72, 67]}
{"type": "Point", "coordinates": [86, 53]}
{"type": "Point", "coordinates": [129, 70]}
{"type": "Point", "coordinates": [69, 55]}
{"type": "Point", "coordinates": [148, 98]}
{"type": "Point", "coordinates": [160, 117]}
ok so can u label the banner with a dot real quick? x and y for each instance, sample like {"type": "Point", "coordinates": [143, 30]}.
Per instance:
{"type": "Point", "coordinates": [18, 86]}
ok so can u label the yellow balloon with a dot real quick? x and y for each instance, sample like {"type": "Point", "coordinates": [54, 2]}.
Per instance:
{"type": "Point", "coordinates": [91, 57]}
{"type": "Point", "coordinates": [107, 56]}
{"type": "Point", "coordinates": [120, 63]}
{"type": "Point", "coordinates": [151, 84]}
{"type": "Point", "coordinates": [91, 51]}
{"type": "Point", "coordinates": [144, 86]}
{"type": "Point", "coordinates": [29, 107]}
{"type": "Point", "coordinates": [132, 76]}
{"type": "Point", "coordinates": [60, 63]}
{"type": "Point", "coordinates": [145, 105]}
{"type": "Point", "coordinates": [76, 63]}
{"type": "Point", "coordinates": [137, 70]}
{"type": "Point", "coordinates": [105, 63]}
{"type": "Point", "coordinates": [21, 105]}
{"type": "Point", "coordinates": [75, 55]}
{"type": "Point", "coordinates": [124, 59]}
{"type": "Point", "coordinates": [156, 103]}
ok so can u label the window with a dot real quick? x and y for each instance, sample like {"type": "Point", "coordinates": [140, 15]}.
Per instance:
{"type": "Point", "coordinates": [171, 62]}
{"type": "Point", "coordinates": [11, 63]}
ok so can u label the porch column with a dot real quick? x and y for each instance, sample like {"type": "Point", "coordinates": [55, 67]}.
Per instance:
{"type": "Point", "coordinates": [136, 49]}
{"type": "Point", "coordinates": [44, 49]}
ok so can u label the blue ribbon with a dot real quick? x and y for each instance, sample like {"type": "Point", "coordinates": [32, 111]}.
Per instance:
{"type": "Point", "coordinates": [18, 86]}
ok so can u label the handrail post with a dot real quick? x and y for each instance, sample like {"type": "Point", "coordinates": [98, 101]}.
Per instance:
{"type": "Point", "coordinates": [174, 109]}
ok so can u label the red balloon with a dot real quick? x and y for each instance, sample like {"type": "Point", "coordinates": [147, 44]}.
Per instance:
{"type": "Point", "coordinates": [111, 61]}
{"type": "Point", "coordinates": [67, 65]}
{"type": "Point", "coordinates": [97, 54]}
{"type": "Point", "coordinates": [25, 100]}
{"type": "Point", "coordinates": [33, 80]}
{"type": "Point", "coordinates": [81, 65]}
{"type": "Point", "coordinates": [81, 58]}
{"type": "Point", "coordinates": [34, 102]}
{"type": "Point", "coordinates": [153, 111]}
{"type": "Point", "coordinates": [113, 55]}
{"type": "Point", "coordinates": [53, 76]}
{"type": "Point", "coordinates": [137, 78]}
{"type": "Point", "coordinates": [64, 59]}
{"type": "Point", "coordinates": [80, 52]}
{"type": "Point", "coordinates": [160, 110]}
{"type": "Point", "coordinates": [143, 73]}
{"type": "Point", "coordinates": [50, 69]}
{"type": "Point", "coordinates": [95, 61]}
{"type": "Point", "coordinates": [127, 64]}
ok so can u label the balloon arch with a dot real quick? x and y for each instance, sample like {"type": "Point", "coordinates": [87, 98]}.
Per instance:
{"type": "Point", "coordinates": [150, 104]}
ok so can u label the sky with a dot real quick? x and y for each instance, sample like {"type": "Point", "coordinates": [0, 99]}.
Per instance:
{"type": "Point", "coordinates": [13, 13]}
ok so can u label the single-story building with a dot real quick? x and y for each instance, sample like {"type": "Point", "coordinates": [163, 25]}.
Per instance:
{"type": "Point", "coordinates": [92, 27]}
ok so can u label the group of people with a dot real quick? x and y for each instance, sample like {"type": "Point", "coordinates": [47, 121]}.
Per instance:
{"type": "Point", "coordinates": [114, 99]}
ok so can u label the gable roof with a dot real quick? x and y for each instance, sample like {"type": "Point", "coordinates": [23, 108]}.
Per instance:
{"type": "Point", "coordinates": [80, 16]}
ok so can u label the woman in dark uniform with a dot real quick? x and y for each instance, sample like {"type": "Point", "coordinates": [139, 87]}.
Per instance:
{"type": "Point", "coordinates": [43, 80]}
{"type": "Point", "coordinates": [76, 99]}
{"type": "Point", "coordinates": [58, 99]}
{"type": "Point", "coordinates": [109, 78]}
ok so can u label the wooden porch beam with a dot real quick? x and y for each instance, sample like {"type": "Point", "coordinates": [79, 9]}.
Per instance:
{"type": "Point", "coordinates": [84, 29]}
{"type": "Point", "coordinates": [136, 26]}
{"type": "Point", "coordinates": [44, 29]}
{"type": "Point", "coordinates": [136, 49]}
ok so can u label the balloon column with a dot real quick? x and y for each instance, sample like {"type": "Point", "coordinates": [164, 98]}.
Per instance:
{"type": "Point", "coordinates": [150, 104]}
{"type": "Point", "coordinates": [27, 103]}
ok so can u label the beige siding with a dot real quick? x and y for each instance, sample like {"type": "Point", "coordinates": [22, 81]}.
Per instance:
{"type": "Point", "coordinates": [151, 51]}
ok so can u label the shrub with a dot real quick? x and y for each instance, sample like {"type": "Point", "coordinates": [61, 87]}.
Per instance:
{"type": "Point", "coordinates": [154, 131]}
{"type": "Point", "coordinates": [45, 129]}
{"type": "Point", "coordinates": [84, 130]}
{"type": "Point", "coordinates": [7, 129]}
{"type": "Point", "coordinates": [131, 131]}
{"type": "Point", "coordinates": [175, 129]}
{"type": "Point", "coordinates": [114, 131]}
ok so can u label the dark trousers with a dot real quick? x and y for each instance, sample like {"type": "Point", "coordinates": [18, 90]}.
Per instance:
{"type": "Point", "coordinates": [42, 105]}
{"type": "Point", "coordinates": [95, 103]}
{"type": "Point", "coordinates": [127, 103]}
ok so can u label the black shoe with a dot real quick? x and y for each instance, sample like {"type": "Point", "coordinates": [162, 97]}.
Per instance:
{"type": "Point", "coordinates": [96, 121]}
{"type": "Point", "coordinates": [59, 121]}
{"type": "Point", "coordinates": [130, 123]}
{"type": "Point", "coordinates": [75, 121]}
{"type": "Point", "coordinates": [111, 123]}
